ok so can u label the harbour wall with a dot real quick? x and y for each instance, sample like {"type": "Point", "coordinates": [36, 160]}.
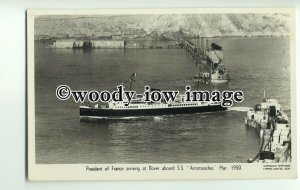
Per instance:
{"type": "Point", "coordinates": [118, 44]}
{"type": "Point", "coordinates": [88, 44]}
{"type": "Point", "coordinates": [156, 44]}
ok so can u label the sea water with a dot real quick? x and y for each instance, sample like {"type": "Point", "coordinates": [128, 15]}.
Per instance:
{"type": "Point", "coordinates": [254, 65]}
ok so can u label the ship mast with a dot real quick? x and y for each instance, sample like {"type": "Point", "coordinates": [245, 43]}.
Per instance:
{"type": "Point", "coordinates": [132, 79]}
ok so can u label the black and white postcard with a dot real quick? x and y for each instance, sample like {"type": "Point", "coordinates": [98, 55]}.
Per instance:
{"type": "Point", "coordinates": [154, 94]}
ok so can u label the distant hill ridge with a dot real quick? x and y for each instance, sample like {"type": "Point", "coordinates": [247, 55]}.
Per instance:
{"type": "Point", "coordinates": [167, 25]}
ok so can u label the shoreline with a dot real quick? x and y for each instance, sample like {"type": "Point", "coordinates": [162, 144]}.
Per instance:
{"type": "Point", "coordinates": [54, 38]}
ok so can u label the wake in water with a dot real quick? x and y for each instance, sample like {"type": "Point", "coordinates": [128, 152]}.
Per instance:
{"type": "Point", "coordinates": [242, 109]}
{"type": "Point", "coordinates": [157, 118]}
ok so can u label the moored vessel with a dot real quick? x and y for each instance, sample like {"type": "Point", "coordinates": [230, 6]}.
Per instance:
{"type": "Point", "coordinates": [219, 73]}
{"type": "Point", "coordinates": [209, 61]}
{"type": "Point", "coordinates": [273, 127]}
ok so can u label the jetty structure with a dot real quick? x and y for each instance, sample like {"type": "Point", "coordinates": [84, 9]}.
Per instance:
{"type": "Point", "coordinates": [209, 60]}
{"type": "Point", "coordinates": [273, 126]}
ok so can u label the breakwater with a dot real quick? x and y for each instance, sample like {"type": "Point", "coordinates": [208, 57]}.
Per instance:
{"type": "Point", "coordinates": [115, 44]}
{"type": "Point", "coordinates": [88, 44]}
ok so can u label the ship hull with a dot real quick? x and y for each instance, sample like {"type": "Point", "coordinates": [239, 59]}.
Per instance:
{"type": "Point", "coordinates": [104, 113]}
{"type": "Point", "coordinates": [219, 80]}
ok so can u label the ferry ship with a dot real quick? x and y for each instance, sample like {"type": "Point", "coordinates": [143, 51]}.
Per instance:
{"type": "Point", "coordinates": [138, 107]}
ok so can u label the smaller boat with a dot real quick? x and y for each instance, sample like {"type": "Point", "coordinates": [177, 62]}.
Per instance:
{"type": "Point", "coordinates": [219, 74]}
{"type": "Point", "coordinates": [202, 77]}
{"type": "Point", "coordinates": [211, 66]}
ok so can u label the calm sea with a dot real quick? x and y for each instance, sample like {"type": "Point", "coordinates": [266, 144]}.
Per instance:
{"type": "Point", "coordinates": [254, 64]}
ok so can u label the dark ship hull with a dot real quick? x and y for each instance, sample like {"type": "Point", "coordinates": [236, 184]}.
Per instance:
{"type": "Point", "coordinates": [104, 113]}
